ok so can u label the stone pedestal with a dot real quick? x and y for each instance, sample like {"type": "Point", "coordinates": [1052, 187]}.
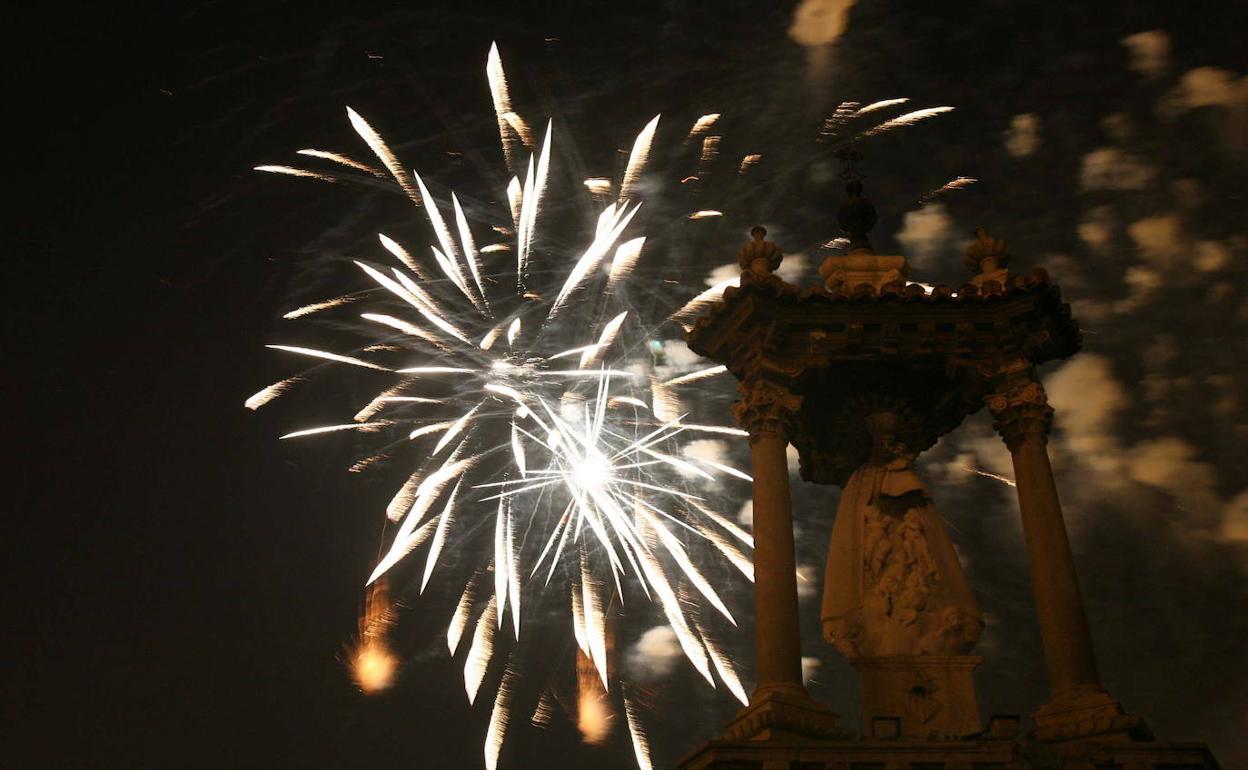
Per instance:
{"type": "Point", "coordinates": [863, 266]}
{"type": "Point", "coordinates": [933, 696]}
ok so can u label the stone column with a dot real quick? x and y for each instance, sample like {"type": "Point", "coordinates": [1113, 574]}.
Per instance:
{"type": "Point", "coordinates": [1023, 417]}
{"type": "Point", "coordinates": [1078, 704]}
{"type": "Point", "coordinates": [766, 410]}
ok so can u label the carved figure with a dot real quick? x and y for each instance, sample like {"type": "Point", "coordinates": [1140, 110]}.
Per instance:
{"type": "Point", "coordinates": [893, 584]}
{"type": "Point", "coordinates": [760, 257]}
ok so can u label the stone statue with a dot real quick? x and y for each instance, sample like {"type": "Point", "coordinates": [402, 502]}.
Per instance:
{"type": "Point", "coordinates": [760, 257]}
{"type": "Point", "coordinates": [893, 585]}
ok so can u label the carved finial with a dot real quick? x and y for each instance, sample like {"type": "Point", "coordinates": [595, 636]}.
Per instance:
{"type": "Point", "coordinates": [759, 256]}
{"type": "Point", "coordinates": [986, 254]}
{"type": "Point", "coordinates": [857, 215]}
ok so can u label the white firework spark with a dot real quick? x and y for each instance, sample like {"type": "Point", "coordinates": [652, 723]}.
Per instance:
{"type": "Point", "coordinates": [909, 119]}
{"type": "Point", "coordinates": [703, 124]}
{"type": "Point", "coordinates": [872, 107]}
{"type": "Point", "coordinates": [292, 171]}
{"type": "Point", "coordinates": [343, 160]}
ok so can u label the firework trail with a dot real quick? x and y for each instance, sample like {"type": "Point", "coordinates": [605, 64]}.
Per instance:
{"type": "Point", "coordinates": [848, 114]}
{"type": "Point", "coordinates": [550, 450]}
{"type": "Point", "coordinates": [373, 664]}
{"type": "Point", "coordinates": [909, 119]}
{"type": "Point", "coordinates": [957, 183]}
{"type": "Point", "coordinates": [1009, 482]}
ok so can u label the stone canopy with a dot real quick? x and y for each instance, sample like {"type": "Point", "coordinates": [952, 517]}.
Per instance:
{"type": "Point", "coordinates": [927, 353]}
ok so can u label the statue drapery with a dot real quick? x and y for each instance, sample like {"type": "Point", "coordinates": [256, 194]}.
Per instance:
{"type": "Point", "coordinates": [893, 584]}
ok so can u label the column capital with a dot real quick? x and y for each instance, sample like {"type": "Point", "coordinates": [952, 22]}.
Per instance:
{"type": "Point", "coordinates": [1019, 412]}
{"type": "Point", "coordinates": [766, 408]}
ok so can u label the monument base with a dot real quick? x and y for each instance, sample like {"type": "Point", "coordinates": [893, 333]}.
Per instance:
{"type": "Point", "coordinates": [901, 754]}
{"type": "Point", "coordinates": [783, 714]}
{"type": "Point", "coordinates": [919, 696]}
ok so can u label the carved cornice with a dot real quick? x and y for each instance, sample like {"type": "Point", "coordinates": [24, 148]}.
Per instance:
{"type": "Point", "coordinates": [766, 408]}
{"type": "Point", "coordinates": [1019, 412]}
{"type": "Point", "coordinates": [1023, 315]}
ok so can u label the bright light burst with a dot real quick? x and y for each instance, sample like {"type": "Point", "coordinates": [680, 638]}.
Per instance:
{"type": "Point", "coordinates": [531, 409]}
{"type": "Point", "coordinates": [548, 442]}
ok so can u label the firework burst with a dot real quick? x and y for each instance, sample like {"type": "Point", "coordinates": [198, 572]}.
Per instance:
{"type": "Point", "coordinates": [549, 441]}
{"type": "Point", "coordinates": [550, 450]}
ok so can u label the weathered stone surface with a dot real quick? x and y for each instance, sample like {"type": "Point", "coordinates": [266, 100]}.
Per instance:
{"type": "Point", "coordinates": [932, 695]}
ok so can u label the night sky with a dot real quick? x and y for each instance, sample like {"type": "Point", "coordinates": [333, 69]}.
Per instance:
{"type": "Point", "coordinates": [180, 584]}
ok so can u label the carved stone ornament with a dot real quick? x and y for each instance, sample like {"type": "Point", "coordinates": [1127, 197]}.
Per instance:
{"type": "Point", "coordinates": [1020, 412]}
{"type": "Point", "coordinates": [845, 272]}
{"type": "Point", "coordinates": [987, 258]}
{"type": "Point", "coordinates": [766, 408]}
{"type": "Point", "coordinates": [986, 254]}
{"type": "Point", "coordinates": [759, 256]}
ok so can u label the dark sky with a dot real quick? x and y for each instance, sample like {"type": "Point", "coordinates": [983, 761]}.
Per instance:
{"type": "Point", "coordinates": [179, 585]}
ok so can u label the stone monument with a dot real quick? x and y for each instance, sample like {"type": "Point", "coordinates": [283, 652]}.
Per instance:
{"type": "Point", "coordinates": [862, 374]}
